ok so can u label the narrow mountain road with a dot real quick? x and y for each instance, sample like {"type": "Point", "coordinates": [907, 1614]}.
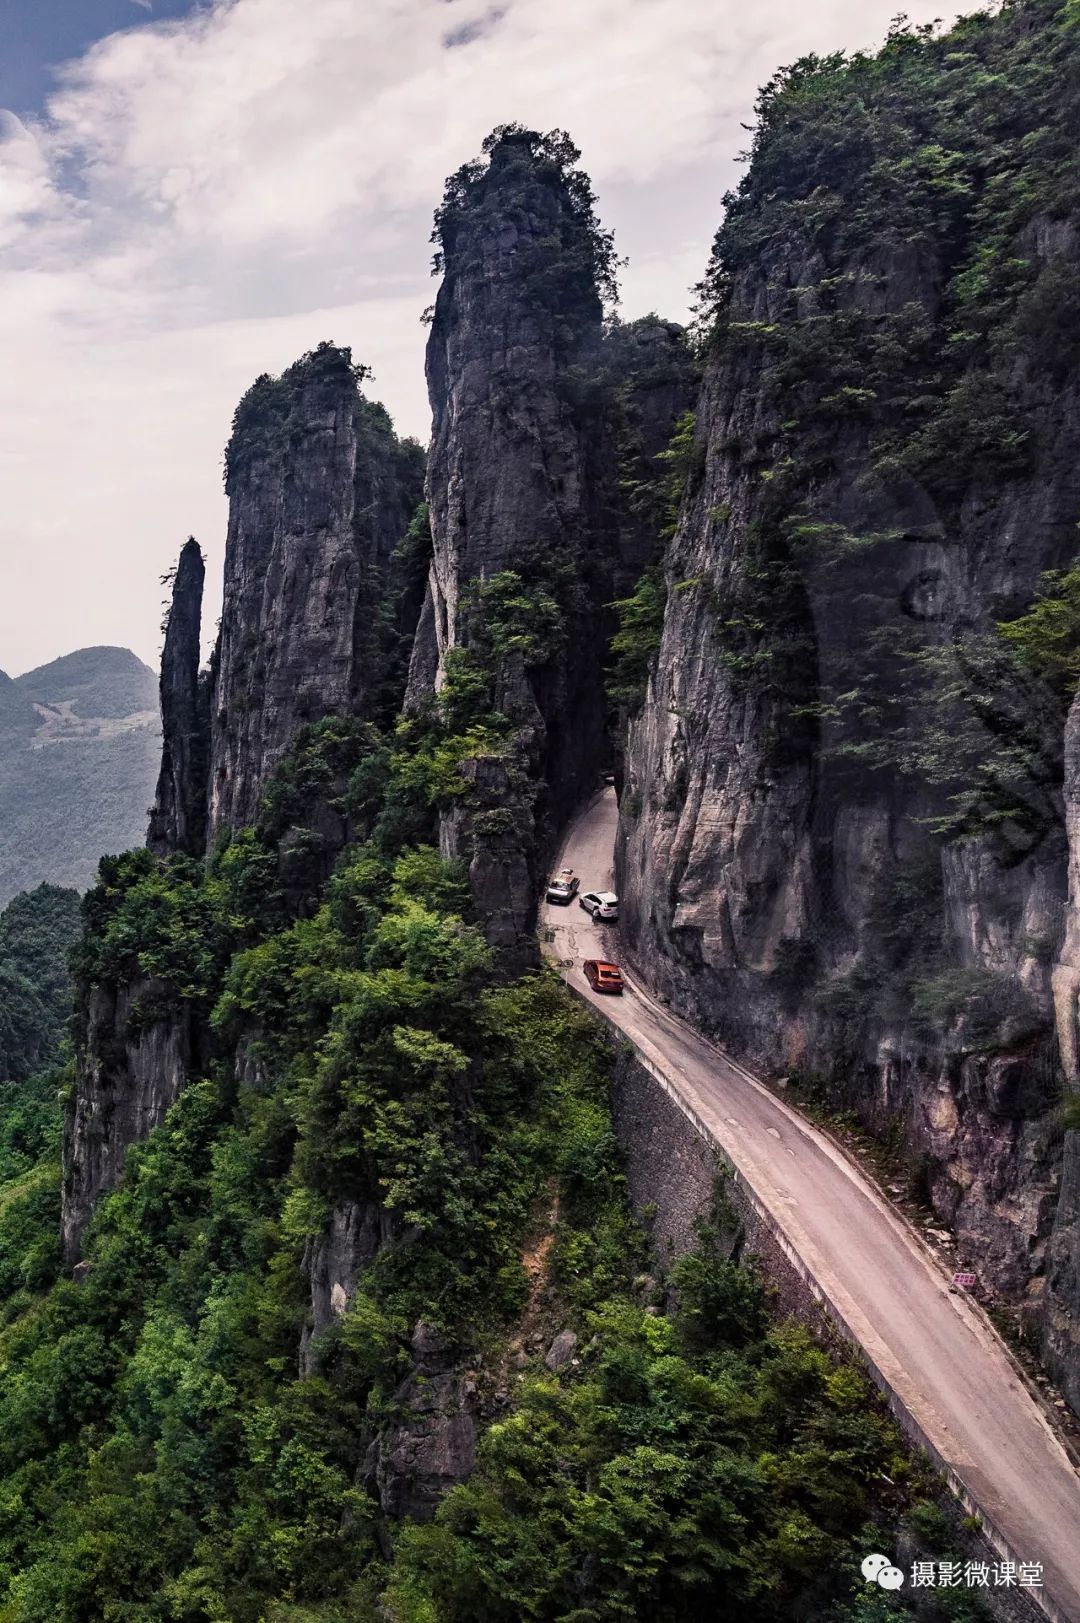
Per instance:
{"type": "Point", "coordinates": [935, 1351]}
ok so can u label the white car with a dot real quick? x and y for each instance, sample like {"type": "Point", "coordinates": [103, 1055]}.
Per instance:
{"type": "Point", "coordinates": [602, 904]}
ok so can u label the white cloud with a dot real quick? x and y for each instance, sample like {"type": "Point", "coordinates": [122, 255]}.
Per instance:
{"type": "Point", "coordinates": [207, 198]}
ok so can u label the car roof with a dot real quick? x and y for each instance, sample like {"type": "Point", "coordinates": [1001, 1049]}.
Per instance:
{"type": "Point", "coordinates": [607, 969]}
{"type": "Point", "coordinates": [605, 896]}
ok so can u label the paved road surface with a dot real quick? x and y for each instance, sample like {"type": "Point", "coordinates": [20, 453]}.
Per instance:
{"type": "Point", "coordinates": [935, 1350]}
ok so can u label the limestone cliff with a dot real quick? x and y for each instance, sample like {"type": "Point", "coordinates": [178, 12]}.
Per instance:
{"type": "Point", "coordinates": [842, 843]}
{"type": "Point", "coordinates": [531, 405]}
{"type": "Point", "coordinates": [136, 1052]}
{"type": "Point", "coordinates": [320, 493]}
{"type": "Point", "coordinates": [178, 821]}
{"type": "Point", "coordinates": [317, 597]}
{"type": "Point", "coordinates": [1063, 1264]}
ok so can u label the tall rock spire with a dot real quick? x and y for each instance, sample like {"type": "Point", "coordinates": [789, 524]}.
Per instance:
{"type": "Point", "coordinates": [178, 820]}
{"type": "Point", "coordinates": [517, 318]}
{"type": "Point", "coordinates": [513, 369]}
{"type": "Point", "coordinates": [320, 492]}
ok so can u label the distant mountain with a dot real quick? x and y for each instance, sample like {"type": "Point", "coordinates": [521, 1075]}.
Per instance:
{"type": "Point", "coordinates": [80, 742]}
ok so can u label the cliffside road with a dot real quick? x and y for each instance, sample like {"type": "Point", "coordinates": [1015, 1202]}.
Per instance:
{"type": "Point", "coordinates": [933, 1349]}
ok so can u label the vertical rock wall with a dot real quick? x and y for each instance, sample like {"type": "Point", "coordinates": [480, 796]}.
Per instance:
{"type": "Point", "coordinates": [529, 402]}
{"type": "Point", "coordinates": [517, 322]}
{"type": "Point", "coordinates": [320, 492]}
{"type": "Point", "coordinates": [1062, 1310]}
{"type": "Point", "coordinates": [178, 820]}
{"type": "Point", "coordinates": [133, 1062]}
{"type": "Point", "coordinates": [842, 843]}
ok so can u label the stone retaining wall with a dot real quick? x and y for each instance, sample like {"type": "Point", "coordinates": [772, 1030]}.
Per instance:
{"type": "Point", "coordinates": [674, 1173]}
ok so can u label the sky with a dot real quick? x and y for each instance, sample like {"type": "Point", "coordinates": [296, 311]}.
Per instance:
{"type": "Point", "coordinates": [193, 192]}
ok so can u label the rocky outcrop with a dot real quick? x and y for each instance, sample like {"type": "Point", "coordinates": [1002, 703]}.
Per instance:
{"type": "Point", "coordinates": [517, 314]}
{"type": "Point", "coordinates": [178, 820]}
{"type": "Point", "coordinates": [431, 1443]}
{"type": "Point", "coordinates": [653, 379]}
{"type": "Point", "coordinates": [320, 493]}
{"type": "Point", "coordinates": [841, 842]}
{"type": "Point", "coordinates": [1062, 1310]}
{"type": "Point", "coordinates": [532, 407]}
{"type": "Point", "coordinates": [333, 1264]}
{"type": "Point", "coordinates": [517, 325]}
{"type": "Point", "coordinates": [134, 1057]}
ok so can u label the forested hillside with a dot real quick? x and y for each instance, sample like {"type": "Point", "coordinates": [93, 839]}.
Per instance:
{"type": "Point", "coordinates": [162, 1448]}
{"type": "Point", "coordinates": [37, 934]}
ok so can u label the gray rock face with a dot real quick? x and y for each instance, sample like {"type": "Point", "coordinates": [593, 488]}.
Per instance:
{"type": "Point", "coordinates": [506, 469]}
{"type": "Point", "coordinates": [561, 1351]}
{"type": "Point", "coordinates": [333, 1264]}
{"type": "Point", "coordinates": [531, 407]}
{"type": "Point", "coordinates": [178, 821]}
{"type": "Point", "coordinates": [1062, 1305]}
{"type": "Point", "coordinates": [517, 324]}
{"type": "Point", "coordinates": [320, 492]}
{"type": "Point", "coordinates": [1062, 1313]}
{"type": "Point", "coordinates": [782, 889]}
{"type": "Point", "coordinates": [1066, 978]}
{"type": "Point", "coordinates": [132, 1063]}
{"type": "Point", "coordinates": [432, 1444]}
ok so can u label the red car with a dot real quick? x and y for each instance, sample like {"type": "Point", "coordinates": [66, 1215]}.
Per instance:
{"type": "Point", "coordinates": [603, 977]}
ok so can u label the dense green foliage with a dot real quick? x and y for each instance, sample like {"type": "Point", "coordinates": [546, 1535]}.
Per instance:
{"type": "Point", "coordinates": [949, 144]}
{"type": "Point", "coordinates": [38, 931]}
{"type": "Point", "coordinates": [160, 1454]}
{"type": "Point", "coordinates": [682, 1473]}
{"type": "Point", "coordinates": [1047, 637]}
{"type": "Point", "coordinates": [635, 644]}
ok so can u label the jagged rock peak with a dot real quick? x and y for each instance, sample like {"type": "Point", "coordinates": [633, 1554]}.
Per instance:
{"type": "Point", "coordinates": [489, 217]}
{"type": "Point", "coordinates": [320, 490]}
{"type": "Point", "coordinates": [514, 365]}
{"type": "Point", "coordinates": [526, 268]}
{"type": "Point", "coordinates": [178, 820]}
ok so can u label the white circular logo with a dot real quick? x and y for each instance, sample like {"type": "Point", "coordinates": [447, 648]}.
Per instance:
{"type": "Point", "coordinates": [878, 1569]}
